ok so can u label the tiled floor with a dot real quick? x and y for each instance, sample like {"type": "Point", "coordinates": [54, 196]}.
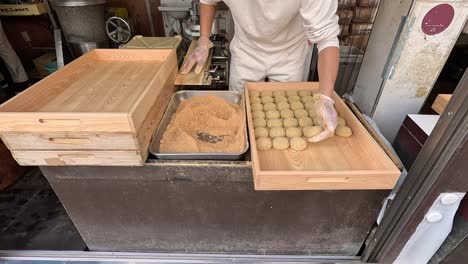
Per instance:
{"type": "Point", "coordinates": [32, 217]}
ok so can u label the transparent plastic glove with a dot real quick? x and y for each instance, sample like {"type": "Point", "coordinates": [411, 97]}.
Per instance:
{"type": "Point", "coordinates": [324, 107]}
{"type": "Point", "coordinates": [198, 56]}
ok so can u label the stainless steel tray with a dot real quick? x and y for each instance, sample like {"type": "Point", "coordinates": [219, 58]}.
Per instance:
{"type": "Point", "coordinates": [230, 96]}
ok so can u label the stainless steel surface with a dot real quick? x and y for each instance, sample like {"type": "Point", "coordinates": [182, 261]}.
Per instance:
{"type": "Point", "coordinates": [72, 3]}
{"type": "Point", "coordinates": [80, 48]}
{"type": "Point", "coordinates": [59, 48]}
{"type": "Point", "coordinates": [230, 96]}
{"type": "Point", "coordinates": [125, 257]}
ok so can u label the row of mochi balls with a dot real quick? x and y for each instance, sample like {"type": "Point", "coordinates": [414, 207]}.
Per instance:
{"type": "Point", "coordinates": [282, 119]}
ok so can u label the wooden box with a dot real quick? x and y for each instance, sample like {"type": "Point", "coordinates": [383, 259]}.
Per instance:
{"type": "Point", "coordinates": [100, 109]}
{"type": "Point", "coordinates": [336, 163]}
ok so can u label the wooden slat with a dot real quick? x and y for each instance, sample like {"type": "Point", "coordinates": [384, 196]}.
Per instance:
{"type": "Point", "coordinates": [348, 163]}
{"type": "Point", "coordinates": [60, 122]}
{"type": "Point", "coordinates": [441, 102]}
{"type": "Point", "coordinates": [70, 141]}
{"type": "Point", "coordinates": [73, 158]}
{"type": "Point", "coordinates": [191, 78]}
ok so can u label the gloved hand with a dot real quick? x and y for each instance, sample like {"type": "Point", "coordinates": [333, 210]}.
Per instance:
{"type": "Point", "coordinates": [198, 56]}
{"type": "Point", "coordinates": [324, 107]}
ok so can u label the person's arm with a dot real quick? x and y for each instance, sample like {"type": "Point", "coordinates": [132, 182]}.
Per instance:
{"type": "Point", "coordinates": [321, 25]}
{"type": "Point", "coordinates": [328, 63]}
{"type": "Point", "coordinates": [200, 54]}
{"type": "Point", "coordinates": [207, 13]}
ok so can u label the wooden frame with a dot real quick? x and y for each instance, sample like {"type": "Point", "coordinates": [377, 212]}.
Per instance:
{"type": "Point", "coordinates": [337, 163]}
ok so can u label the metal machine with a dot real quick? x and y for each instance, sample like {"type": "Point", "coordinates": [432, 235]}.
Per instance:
{"type": "Point", "coordinates": [183, 18]}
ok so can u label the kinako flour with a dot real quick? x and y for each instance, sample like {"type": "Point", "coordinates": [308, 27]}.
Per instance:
{"type": "Point", "coordinates": [207, 114]}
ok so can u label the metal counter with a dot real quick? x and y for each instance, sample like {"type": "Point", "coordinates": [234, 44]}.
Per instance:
{"type": "Point", "coordinates": [208, 207]}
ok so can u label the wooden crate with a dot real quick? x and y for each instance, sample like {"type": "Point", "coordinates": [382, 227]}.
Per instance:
{"type": "Point", "coordinates": [106, 100]}
{"type": "Point", "coordinates": [334, 164]}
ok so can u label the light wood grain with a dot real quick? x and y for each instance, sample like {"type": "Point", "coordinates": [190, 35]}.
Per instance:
{"type": "Point", "coordinates": [70, 141]}
{"type": "Point", "coordinates": [192, 78]}
{"type": "Point", "coordinates": [335, 158]}
{"type": "Point", "coordinates": [107, 100]}
{"type": "Point", "coordinates": [441, 102]}
{"type": "Point", "coordinates": [60, 122]}
{"type": "Point", "coordinates": [75, 158]}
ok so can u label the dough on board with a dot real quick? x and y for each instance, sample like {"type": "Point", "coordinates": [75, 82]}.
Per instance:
{"type": "Point", "coordinates": [261, 132]}
{"type": "Point", "coordinates": [258, 114]}
{"type": "Point", "coordinates": [267, 99]}
{"type": "Point", "coordinates": [300, 113]}
{"type": "Point", "coordinates": [255, 100]}
{"type": "Point", "coordinates": [280, 99]}
{"type": "Point", "coordinates": [269, 106]}
{"type": "Point", "coordinates": [277, 132]}
{"type": "Point", "coordinates": [282, 106]}
{"type": "Point", "coordinates": [307, 99]}
{"type": "Point", "coordinates": [256, 107]}
{"type": "Point", "coordinates": [298, 143]}
{"type": "Point", "coordinates": [266, 93]}
{"type": "Point", "coordinates": [343, 131]}
{"type": "Point", "coordinates": [280, 143]}
{"type": "Point", "coordinates": [309, 106]}
{"type": "Point", "coordinates": [305, 122]}
{"type": "Point", "coordinates": [259, 122]}
{"type": "Point", "coordinates": [274, 123]}
{"type": "Point", "coordinates": [293, 132]}
{"type": "Point", "coordinates": [272, 114]}
{"type": "Point", "coordinates": [264, 143]}
{"type": "Point", "coordinates": [286, 113]}
{"type": "Point", "coordinates": [290, 122]}
{"type": "Point", "coordinates": [296, 105]}
{"type": "Point", "coordinates": [294, 98]}
{"type": "Point", "coordinates": [311, 131]}
{"type": "Point", "coordinates": [291, 93]}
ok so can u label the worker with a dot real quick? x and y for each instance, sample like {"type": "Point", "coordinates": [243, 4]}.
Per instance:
{"type": "Point", "coordinates": [13, 63]}
{"type": "Point", "coordinates": [271, 40]}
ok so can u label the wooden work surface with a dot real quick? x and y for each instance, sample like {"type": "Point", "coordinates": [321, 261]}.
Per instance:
{"type": "Point", "coordinates": [192, 78]}
{"type": "Point", "coordinates": [441, 102]}
{"type": "Point", "coordinates": [356, 162]}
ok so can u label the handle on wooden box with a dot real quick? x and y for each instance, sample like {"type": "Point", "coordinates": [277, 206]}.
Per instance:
{"type": "Point", "coordinates": [328, 180]}
{"type": "Point", "coordinates": [59, 121]}
{"type": "Point", "coordinates": [70, 140]}
{"type": "Point", "coordinates": [75, 156]}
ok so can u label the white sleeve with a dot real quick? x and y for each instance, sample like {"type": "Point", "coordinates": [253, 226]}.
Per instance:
{"type": "Point", "coordinates": [210, 2]}
{"type": "Point", "coordinates": [321, 22]}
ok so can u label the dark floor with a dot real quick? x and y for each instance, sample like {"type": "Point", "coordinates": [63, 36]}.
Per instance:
{"type": "Point", "coordinates": [32, 217]}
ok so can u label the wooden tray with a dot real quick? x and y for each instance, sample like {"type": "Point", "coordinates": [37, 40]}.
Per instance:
{"type": "Point", "coordinates": [334, 164]}
{"type": "Point", "coordinates": [119, 92]}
